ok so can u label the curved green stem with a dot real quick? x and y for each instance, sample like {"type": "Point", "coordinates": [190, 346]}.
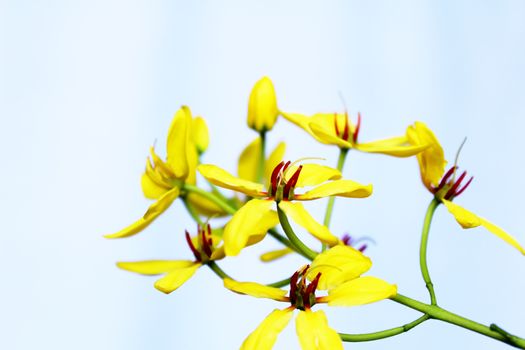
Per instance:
{"type": "Point", "coordinates": [423, 249]}
{"type": "Point", "coordinates": [438, 313]}
{"type": "Point", "coordinates": [193, 213]}
{"type": "Point", "coordinates": [383, 334]}
{"type": "Point", "coordinates": [301, 248]}
{"type": "Point", "coordinates": [220, 272]}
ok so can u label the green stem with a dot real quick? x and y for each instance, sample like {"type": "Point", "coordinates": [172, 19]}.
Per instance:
{"type": "Point", "coordinates": [423, 249]}
{"type": "Point", "coordinates": [193, 213]}
{"type": "Point", "coordinates": [218, 271]}
{"type": "Point", "coordinates": [262, 157]}
{"type": "Point", "coordinates": [280, 283]}
{"type": "Point", "coordinates": [330, 206]}
{"type": "Point", "coordinates": [436, 312]}
{"type": "Point", "coordinates": [301, 248]}
{"type": "Point", "coordinates": [382, 334]}
{"type": "Point", "coordinates": [331, 200]}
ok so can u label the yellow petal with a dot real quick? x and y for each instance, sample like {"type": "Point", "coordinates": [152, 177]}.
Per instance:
{"type": "Point", "coordinates": [338, 265]}
{"type": "Point", "coordinates": [313, 174]}
{"type": "Point", "coordinates": [273, 159]}
{"type": "Point", "coordinates": [222, 178]}
{"type": "Point", "coordinates": [249, 161]}
{"type": "Point", "coordinates": [204, 206]}
{"type": "Point", "coordinates": [150, 188]}
{"type": "Point", "coordinates": [176, 278]}
{"type": "Point", "coordinates": [154, 267]}
{"type": "Point", "coordinates": [432, 160]}
{"type": "Point", "coordinates": [341, 188]}
{"type": "Point", "coordinates": [300, 120]}
{"type": "Point", "coordinates": [299, 215]}
{"type": "Point", "coordinates": [396, 146]}
{"type": "Point", "coordinates": [255, 290]}
{"type": "Point", "coordinates": [218, 253]}
{"type": "Point", "coordinates": [265, 335]}
{"type": "Point", "coordinates": [468, 219]}
{"type": "Point", "coordinates": [275, 254]}
{"type": "Point", "coordinates": [249, 225]}
{"type": "Point", "coordinates": [262, 106]}
{"type": "Point", "coordinates": [177, 142]}
{"type": "Point", "coordinates": [328, 136]}
{"type": "Point", "coordinates": [314, 333]}
{"type": "Point", "coordinates": [152, 213]}
{"type": "Point", "coordinates": [363, 290]}
{"type": "Point", "coordinates": [200, 134]}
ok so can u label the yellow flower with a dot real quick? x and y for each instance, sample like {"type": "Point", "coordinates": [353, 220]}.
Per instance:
{"type": "Point", "coordinates": [164, 181]}
{"type": "Point", "coordinates": [250, 223]}
{"type": "Point", "coordinates": [446, 186]}
{"type": "Point", "coordinates": [204, 247]}
{"type": "Point", "coordinates": [262, 106]}
{"type": "Point", "coordinates": [336, 270]}
{"type": "Point", "coordinates": [337, 129]}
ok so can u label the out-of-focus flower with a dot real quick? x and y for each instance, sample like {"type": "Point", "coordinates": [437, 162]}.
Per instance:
{"type": "Point", "coordinates": [262, 106]}
{"type": "Point", "coordinates": [204, 246]}
{"type": "Point", "coordinates": [337, 129]}
{"type": "Point", "coordinates": [446, 186]}
{"type": "Point", "coordinates": [337, 270]}
{"type": "Point", "coordinates": [250, 223]}
{"type": "Point", "coordinates": [164, 181]}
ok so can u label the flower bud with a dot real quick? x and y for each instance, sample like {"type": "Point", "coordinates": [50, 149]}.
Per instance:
{"type": "Point", "coordinates": [262, 106]}
{"type": "Point", "coordinates": [200, 134]}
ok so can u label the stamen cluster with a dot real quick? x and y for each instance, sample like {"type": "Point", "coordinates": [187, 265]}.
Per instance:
{"type": "Point", "coordinates": [345, 133]}
{"type": "Point", "coordinates": [280, 188]}
{"type": "Point", "coordinates": [204, 247]}
{"type": "Point", "coordinates": [451, 188]}
{"type": "Point", "coordinates": [302, 293]}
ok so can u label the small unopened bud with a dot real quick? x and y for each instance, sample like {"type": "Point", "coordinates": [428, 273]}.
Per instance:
{"type": "Point", "coordinates": [200, 134]}
{"type": "Point", "coordinates": [262, 106]}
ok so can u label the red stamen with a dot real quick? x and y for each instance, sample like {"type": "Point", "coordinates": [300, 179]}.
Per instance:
{"type": "Point", "coordinates": [292, 182]}
{"type": "Point", "coordinates": [347, 239]}
{"type": "Point", "coordinates": [205, 243]}
{"type": "Point", "coordinates": [460, 191]}
{"type": "Point", "coordinates": [192, 247]}
{"type": "Point", "coordinates": [450, 193]}
{"type": "Point", "coordinates": [293, 287]}
{"type": "Point", "coordinates": [446, 177]}
{"type": "Point", "coordinates": [336, 126]}
{"type": "Point", "coordinates": [363, 248]}
{"type": "Point", "coordinates": [273, 178]}
{"type": "Point", "coordinates": [357, 127]}
{"type": "Point", "coordinates": [315, 282]}
{"type": "Point", "coordinates": [347, 129]}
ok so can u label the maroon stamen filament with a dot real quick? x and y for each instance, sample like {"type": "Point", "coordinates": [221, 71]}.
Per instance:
{"type": "Point", "coordinates": [292, 182]}
{"type": "Point", "coordinates": [192, 247]}
{"type": "Point", "coordinates": [357, 127]}
{"type": "Point", "coordinates": [346, 130]}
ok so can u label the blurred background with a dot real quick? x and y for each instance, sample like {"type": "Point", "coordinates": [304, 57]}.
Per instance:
{"type": "Point", "coordinates": [87, 86]}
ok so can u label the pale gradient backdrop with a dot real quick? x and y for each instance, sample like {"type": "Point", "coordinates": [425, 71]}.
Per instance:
{"type": "Point", "coordinates": [87, 86]}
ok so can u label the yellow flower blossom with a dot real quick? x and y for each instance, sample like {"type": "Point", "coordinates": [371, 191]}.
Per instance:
{"type": "Point", "coordinates": [250, 223]}
{"type": "Point", "coordinates": [446, 186]}
{"type": "Point", "coordinates": [337, 270]}
{"type": "Point", "coordinates": [262, 106]}
{"type": "Point", "coordinates": [204, 246]}
{"type": "Point", "coordinates": [337, 129]}
{"type": "Point", "coordinates": [164, 181]}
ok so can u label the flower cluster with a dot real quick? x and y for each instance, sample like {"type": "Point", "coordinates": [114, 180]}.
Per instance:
{"type": "Point", "coordinates": [266, 196]}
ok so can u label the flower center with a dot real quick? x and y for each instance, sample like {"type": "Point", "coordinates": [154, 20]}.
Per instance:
{"type": "Point", "coordinates": [202, 245]}
{"type": "Point", "coordinates": [302, 293]}
{"type": "Point", "coordinates": [449, 187]}
{"type": "Point", "coordinates": [280, 188]}
{"type": "Point", "coordinates": [343, 131]}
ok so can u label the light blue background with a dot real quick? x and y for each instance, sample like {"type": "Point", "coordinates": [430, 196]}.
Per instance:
{"type": "Point", "coordinates": [86, 87]}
